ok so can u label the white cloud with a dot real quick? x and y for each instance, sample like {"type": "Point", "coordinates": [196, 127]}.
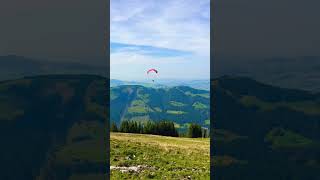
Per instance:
{"type": "Point", "coordinates": [173, 24]}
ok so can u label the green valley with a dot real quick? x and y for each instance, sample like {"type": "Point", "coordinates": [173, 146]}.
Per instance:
{"type": "Point", "coordinates": [178, 104]}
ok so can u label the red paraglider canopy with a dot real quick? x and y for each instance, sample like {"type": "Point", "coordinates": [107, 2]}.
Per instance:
{"type": "Point", "coordinates": [152, 70]}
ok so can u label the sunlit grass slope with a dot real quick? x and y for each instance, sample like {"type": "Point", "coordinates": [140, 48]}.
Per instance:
{"type": "Point", "coordinates": [163, 157]}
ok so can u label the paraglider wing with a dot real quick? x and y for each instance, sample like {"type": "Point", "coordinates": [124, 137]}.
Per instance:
{"type": "Point", "coordinates": [153, 73]}
{"type": "Point", "coordinates": [150, 70]}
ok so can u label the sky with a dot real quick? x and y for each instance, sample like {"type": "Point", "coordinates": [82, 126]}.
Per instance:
{"type": "Point", "coordinates": [260, 29]}
{"type": "Point", "coordinates": [60, 30]}
{"type": "Point", "coordinates": [273, 41]}
{"type": "Point", "coordinates": [172, 36]}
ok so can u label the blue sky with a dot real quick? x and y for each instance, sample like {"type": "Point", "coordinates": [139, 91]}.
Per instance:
{"type": "Point", "coordinates": [172, 36]}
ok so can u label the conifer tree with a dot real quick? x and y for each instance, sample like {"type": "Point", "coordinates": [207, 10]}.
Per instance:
{"type": "Point", "coordinates": [113, 127]}
{"type": "Point", "coordinates": [194, 131]}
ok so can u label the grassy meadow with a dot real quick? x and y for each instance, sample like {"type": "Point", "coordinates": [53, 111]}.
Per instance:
{"type": "Point", "coordinates": [159, 157]}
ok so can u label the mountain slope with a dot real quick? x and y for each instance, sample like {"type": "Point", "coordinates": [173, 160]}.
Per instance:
{"type": "Point", "coordinates": [52, 127]}
{"type": "Point", "coordinates": [265, 131]}
{"type": "Point", "coordinates": [181, 105]}
{"type": "Point", "coordinates": [162, 157]}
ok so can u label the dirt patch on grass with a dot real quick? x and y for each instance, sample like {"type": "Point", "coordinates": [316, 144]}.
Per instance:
{"type": "Point", "coordinates": [132, 169]}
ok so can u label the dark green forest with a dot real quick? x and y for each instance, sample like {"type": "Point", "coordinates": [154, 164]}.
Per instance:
{"type": "Point", "coordinates": [163, 128]}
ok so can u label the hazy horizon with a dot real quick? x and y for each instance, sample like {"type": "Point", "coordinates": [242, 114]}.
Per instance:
{"type": "Point", "coordinates": [163, 79]}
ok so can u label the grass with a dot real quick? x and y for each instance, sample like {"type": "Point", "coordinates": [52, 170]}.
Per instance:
{"type": "Point", "coordinates": [90, 130]}
{"type": "Point", "coordinates": [137, 103]}
{"type": "Point", "coordinates": [177, 104]}
{"type": "Point", "coordinates": [205, 95]}
{"type": "Point", "coordinates": [226, 136]}
{"type": "Point", "coordinates": [88, 147]}
{"type": "Point", "coordinates": [144, 97]}
{"type": "Point", "coordinates": [142, 118]}
{"type": "Point", "coordinates": [175, 112]}
{"type": "Point", "coordinates": [84, 151]}
{"type": "Point", "coordinates": [281, 138]}
{"type": "Point", "coordinates": [137, 109]}
{"type": "Point", "coordinates": [199, 105]}
{"type": "Point", "coordinates": [169, 157]}
{"type": "Point", "coordinates": [225, 161]}
{"type": "Point", "coordinates": [157, 109]}
{"type": "Point", "coordinates": [307, 107]}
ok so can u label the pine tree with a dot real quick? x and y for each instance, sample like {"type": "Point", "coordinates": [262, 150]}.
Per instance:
{"type": "Point", "coordinates": [164, 128]}
{"type": "Point", "coordinates": [114, 127]}
{"type": "Point", "coordinates": [194, 131]}
{"type": "Point", "coordinates": [124, 127]}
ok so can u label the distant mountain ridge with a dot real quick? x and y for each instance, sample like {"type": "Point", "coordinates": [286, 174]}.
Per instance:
{"type": "Point", "coordinates": [15, 67]}
{"type": "Point", "coordinates": [290, 72]}
{"type": "Point", "coordinates": [165, 83]}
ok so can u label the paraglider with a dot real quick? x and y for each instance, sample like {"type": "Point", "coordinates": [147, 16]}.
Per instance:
{"type": "Point", "coordinates": [152, 73]}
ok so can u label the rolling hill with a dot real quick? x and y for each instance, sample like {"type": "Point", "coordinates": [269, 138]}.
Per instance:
{"type": "Point", "coordinates": [182, 105]}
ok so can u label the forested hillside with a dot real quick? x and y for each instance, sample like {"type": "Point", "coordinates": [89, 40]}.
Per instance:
{"type": "Point", "coordinates": [182, 105]}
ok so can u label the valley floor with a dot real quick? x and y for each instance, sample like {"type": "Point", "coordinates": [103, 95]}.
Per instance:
{"type": "Point", "coordinates": [140, 156]}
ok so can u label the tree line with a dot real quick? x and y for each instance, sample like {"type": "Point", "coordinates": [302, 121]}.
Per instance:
{"type": "Point", "coordinates": [164, 128]}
